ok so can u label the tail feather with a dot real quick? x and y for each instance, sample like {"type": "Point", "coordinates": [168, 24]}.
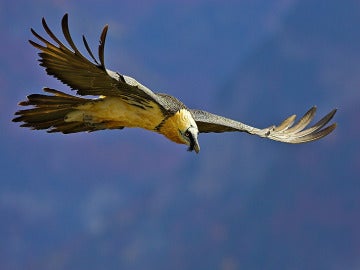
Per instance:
{"type": "Point", "coordinates": [49, 112]}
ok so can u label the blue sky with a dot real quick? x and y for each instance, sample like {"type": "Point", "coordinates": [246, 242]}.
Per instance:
{"type": "Point", "coordinates": [131, 199]}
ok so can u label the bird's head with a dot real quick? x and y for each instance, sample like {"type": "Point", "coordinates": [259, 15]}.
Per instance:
{"type": "Point", "coordinates": [181, 128]}
{"type": "Point", "coordinates": [188, 130]}
{"type": "Point", "coordinates": [190, 138]}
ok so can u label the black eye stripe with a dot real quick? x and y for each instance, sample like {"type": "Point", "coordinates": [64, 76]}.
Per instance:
{"type": "Point", "coordinates": [189, 135]}
{"type": "Point", "coordinates": [192, 141]}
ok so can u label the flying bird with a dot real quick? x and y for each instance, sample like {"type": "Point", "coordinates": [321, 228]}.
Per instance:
{"type": "Point", "coordinates": [120, 101]}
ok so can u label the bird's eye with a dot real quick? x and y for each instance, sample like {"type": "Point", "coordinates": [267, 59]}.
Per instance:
{"type": "Point", "coordinates": [187, 134]}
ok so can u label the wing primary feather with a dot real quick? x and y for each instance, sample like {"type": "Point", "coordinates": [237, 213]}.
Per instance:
{"type": "Point", "coordinates": [41, 39]}
{"type": "Point", "coordinates": [66, 32]}
{"type": "Point", "coordinates": [89, 50]}
{"type": "Point", "coordinates": [67, 35]}
{"type": "Point", "coordinates": [304, 121]}
{"type": "Point", "coordinates": [286, 123]}
{"type": "Point", "coordinates": [102, 46]}
{"type": "Point", "coordinates": [55, 52]}
{"type": "Point", "coordinates": [51, 34]}
{"type": "Point", "coordinates": [36, 45]}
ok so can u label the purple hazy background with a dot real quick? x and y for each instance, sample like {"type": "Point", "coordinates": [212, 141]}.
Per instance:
{"type": "Point", "coordinates": [131, 199]}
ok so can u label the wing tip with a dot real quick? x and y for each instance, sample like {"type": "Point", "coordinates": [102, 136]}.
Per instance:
{"type": "Point", "coordinates": [333, 112]}
{"type": "Point", "coordinates": [320, 134]}
{"type": "Point", "coordinates": [299, 133]}
{"type": "Point", "coordinates": [65, 20]}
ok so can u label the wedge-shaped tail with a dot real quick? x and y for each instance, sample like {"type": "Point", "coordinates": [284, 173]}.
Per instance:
{"type": "Point", "coordinates": [49, 112]}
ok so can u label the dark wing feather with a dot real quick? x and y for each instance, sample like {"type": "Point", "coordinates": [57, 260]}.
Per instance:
{"type": "Point", "coordinates": [88, 78]}
{"type": "Point", "coordinates": [285, 132]}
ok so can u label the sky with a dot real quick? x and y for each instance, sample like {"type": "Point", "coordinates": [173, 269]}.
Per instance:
{"type": "Point", "coordinates": [130, 199]}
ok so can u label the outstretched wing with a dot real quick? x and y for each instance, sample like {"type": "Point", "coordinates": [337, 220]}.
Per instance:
{"type": "Point", "coordinates": [287, 131]}
{"type": "Point", "coordinates": [88, 78]}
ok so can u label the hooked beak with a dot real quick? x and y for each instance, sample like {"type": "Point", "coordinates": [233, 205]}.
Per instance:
{"type": "Point", "coordinates": [197, 148]}
{"type": "Point", "coordinates": [194, 144]}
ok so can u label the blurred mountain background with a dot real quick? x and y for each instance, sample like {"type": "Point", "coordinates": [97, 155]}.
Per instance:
{"type": "Point", "coordinates": [131, 199]}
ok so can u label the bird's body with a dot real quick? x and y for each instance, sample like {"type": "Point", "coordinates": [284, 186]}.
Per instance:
{"type": "Point", "coordinates": [114, 113]}
{"type": "Point", "coordinates": [120, 101]}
